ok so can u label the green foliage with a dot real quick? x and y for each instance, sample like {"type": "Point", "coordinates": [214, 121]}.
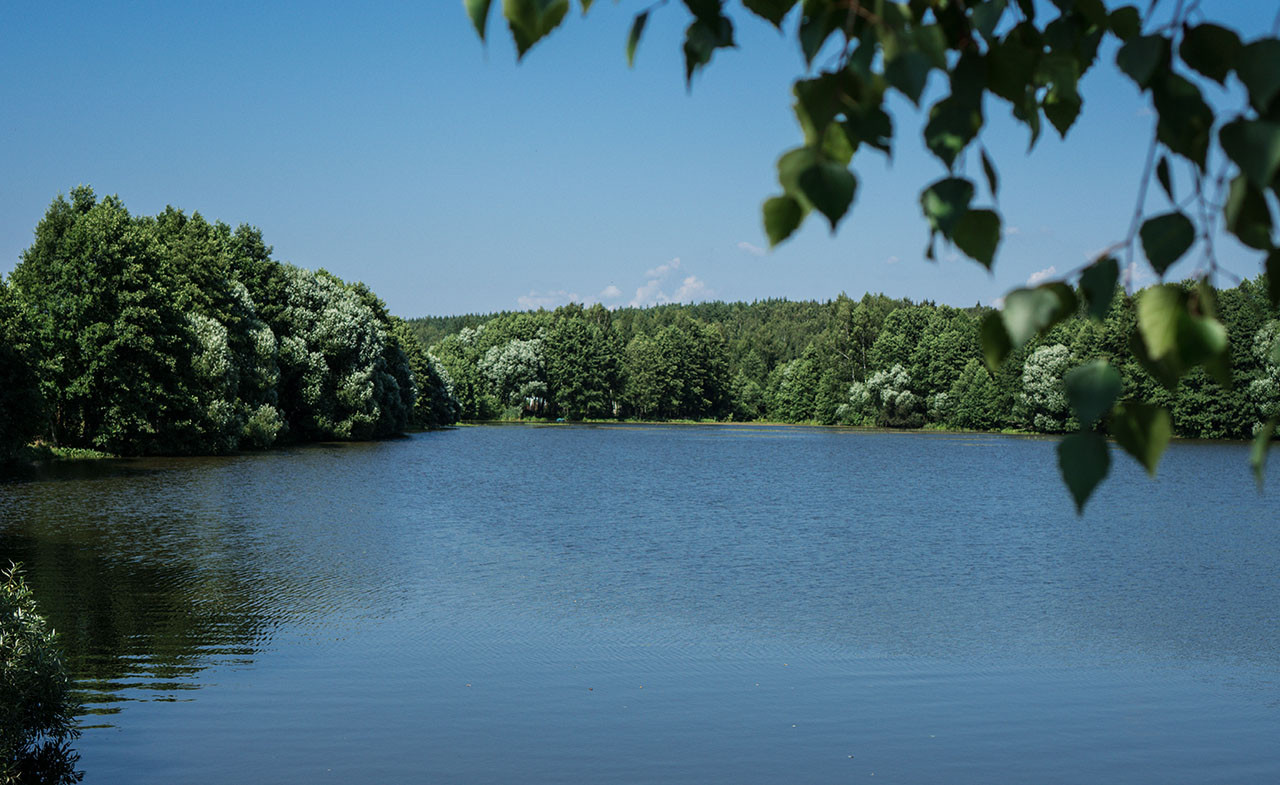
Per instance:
{"type": "Point", "coordinates": [1034, 64]}
{"type": "Point", "coordinates": [21, 404]}
{"type": "Point", "coordinates": [174, 335]}
{"type": "Point", "coordinates": [37, 711]}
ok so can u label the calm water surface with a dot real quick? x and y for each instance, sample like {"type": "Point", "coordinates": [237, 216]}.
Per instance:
{"type": "Point", "coordinates": [661, 604]}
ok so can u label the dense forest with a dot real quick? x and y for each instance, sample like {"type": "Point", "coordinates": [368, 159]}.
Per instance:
{"type": "Point", "coordinates": [170, 334]}
{"type": "Point", "coordinates": [874, 361]}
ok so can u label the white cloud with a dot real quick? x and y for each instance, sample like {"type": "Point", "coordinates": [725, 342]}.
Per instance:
{"type": "Point", "coordinates": [610, 292]}
{"type": "Point", "coordinates": [1010, 230]}
{"type": "Point", "coordinates": [552, 299]}
{"type": "Point", "coordinates": [1041, 275]}
{"type": "Point", "coordinates": [892, 260]}
{"type": "Point", "coordinates": [649, 294]}
{"type": "Point", "coordinates": [691, 288]}
{"type": "Point", "coordinates": [663, 270]}
{"type": "Point", "coordinates": [754, 250]}
{"type": "Point", "coordinates": [1135, 277]}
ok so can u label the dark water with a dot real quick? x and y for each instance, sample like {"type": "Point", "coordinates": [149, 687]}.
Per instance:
{"type": "Point", "coordinates": [662, 604]}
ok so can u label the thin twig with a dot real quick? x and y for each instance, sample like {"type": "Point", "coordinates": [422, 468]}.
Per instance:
{"type": "Point", "coordinates": [1139, 209]}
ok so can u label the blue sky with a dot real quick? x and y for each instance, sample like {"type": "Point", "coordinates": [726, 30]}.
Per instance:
{"type": "Point", "coordinates": [384, 142]}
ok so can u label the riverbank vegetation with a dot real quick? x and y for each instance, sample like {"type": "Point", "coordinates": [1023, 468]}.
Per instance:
{"type": "Point", "coordinates": [873, 361]}
{"type": "Point", "coordinates": [37, 711]}
{"type": "Point", "coordinates": [169, 334]}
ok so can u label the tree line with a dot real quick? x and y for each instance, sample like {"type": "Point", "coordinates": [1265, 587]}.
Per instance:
{"type": "Point", "coordinates": [169, 334]}
{"type": "Point", "coordinates": [875, 361]}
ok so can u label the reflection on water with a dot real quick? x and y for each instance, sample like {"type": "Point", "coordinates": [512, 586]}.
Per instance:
{"type": "Point", "coordinates": [686, 604]}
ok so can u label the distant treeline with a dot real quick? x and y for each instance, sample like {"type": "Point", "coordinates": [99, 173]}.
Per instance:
{"type": "Point", "coordinates": [171, 335]}
{"type": "Point", "coordinates": [873, 361]}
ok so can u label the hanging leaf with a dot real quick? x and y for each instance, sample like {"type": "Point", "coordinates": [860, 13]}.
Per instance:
{"type": "Point", "coordinates": [909, 72]}
{"type": "Point", "coordinates": [633, 39]}
{"type": "Point", "coordinates": [1029, 312]}
{"type": "Point", "coordinates": [989, 170]}
{"type": "Point", "coordinates": [1092, 389]}
{"type": "Point", "coordinates": [1255, 147]}
{"type": "Point", "coordinates": [1084, 462]}
{"type": "Point", "coordinates": [995, 340]}
{"type": "Point", "coordinates": [1143, 431]}
{"type": "Point", "coordinates": [772, 11]}
{"type": "Point", "coordinates": [1158, 310]}
{"type": "Point", "coordinates": [1098, 283]}
{"type": "Point", "coordinates": [1125, 22]}
{"type": "Point", "coordinates": [987, 16]}
{"type": "Point", "coordinates": [1166, 238]}
{"type": "Point", "coordinates": [977, 234]}
{"type": "Point", "coordinates": [1142, 58]}
{"type": "Point", "coordinates": [531, 20]}
{"type": "Point", "coordinates": [952, 125]}
{"type": "Point", "coordinates": [945, 201]}
{"type": "Point", "coordinates": [1185, 119]}
{"type": "Point", "coordinates": [829, 187]}
{"type": "Point", "coordinates": [1258, 66]}
{"type": "Point", "coordinates": [701, 40]}
{"type": "Point", "coordinates": [1166, 182]}
{"type": "Point", "coordinates": [1247, 215]}
{"type": "Point", "coordinates": [1211, 50]}
{"type": "Point", "coordinates": [782, 216]}
{"type": "Point", "coordinates": [478, 10]}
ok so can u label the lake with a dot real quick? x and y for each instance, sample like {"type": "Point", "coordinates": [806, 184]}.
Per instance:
{"type": "Point", "coordinates": [676, 604]}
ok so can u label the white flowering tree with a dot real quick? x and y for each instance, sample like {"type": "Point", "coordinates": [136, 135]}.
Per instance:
{"type": "Point", "coordinates": [1044, 397]}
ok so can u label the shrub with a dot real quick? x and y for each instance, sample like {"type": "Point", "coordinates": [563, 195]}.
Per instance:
{"type": "Point", "coordinates": [37, 712]}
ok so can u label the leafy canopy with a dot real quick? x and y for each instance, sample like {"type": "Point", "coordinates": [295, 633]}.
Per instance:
{"type": "Point", "coordinates": [1030, 58]}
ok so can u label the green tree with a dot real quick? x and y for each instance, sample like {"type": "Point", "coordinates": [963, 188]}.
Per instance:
{"type": "Point", "coordinates": [1030, 58]}
{"type": "Point", "coordinates": [37, 711]}
{"type": "Point", "coordinates": [21, 404]}
{"type": "Point", "coordinates": [117, 374]}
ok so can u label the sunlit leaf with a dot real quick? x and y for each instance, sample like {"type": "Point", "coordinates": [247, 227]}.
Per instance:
{"type": "Point", "coordinates": [1158, 310]}
{"type": "Point", "coordinates": [478, 10]}
{"type": "Point", "coordinates": [531, 20]}
{"type": "Point", "coordinates": [952, 125]}
{"type": "Point", "coordinates": [1084, 462]}
{"type": "Point", "coordinates": [1029, 312]}
{"type": "Point", "coordinates": [782, 216]}
{"type": "Point", "coordinates": [1062, 102]}
{"type": "Point", "coordinates": [945, 201]}
{"type": "Point", "coordinates": [1092, 389]}
{"type": "Point", "coordinates": [1143, 431]}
